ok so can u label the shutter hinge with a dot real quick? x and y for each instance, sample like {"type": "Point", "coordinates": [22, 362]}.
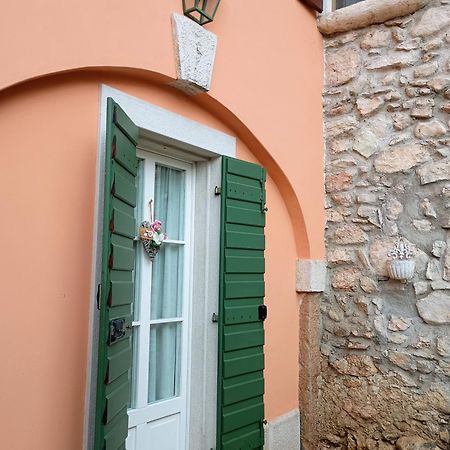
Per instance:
{"type": "Point", "coordinates": [215, 318]}
{"type": "Point", "coordinates": [263, 197]}
{"type": "Point", "coordinates": [217, 190]}
{"type": "Point", "coordinates": [98, 295]}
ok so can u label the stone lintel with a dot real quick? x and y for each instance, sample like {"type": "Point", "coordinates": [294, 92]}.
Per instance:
{"type": "Point", "coordinates": [311, 275]}
{"type": "Point", "coordinates": [195, 51]}
{"type": "Point", "coordinates": [366, 13]}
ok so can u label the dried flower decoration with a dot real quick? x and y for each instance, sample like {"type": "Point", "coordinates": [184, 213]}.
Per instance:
{"type": "Point", "coordinates": [152, 235]}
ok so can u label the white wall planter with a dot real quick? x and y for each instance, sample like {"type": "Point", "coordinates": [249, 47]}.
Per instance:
{"type": "Point", "coordinates": [401, 269]}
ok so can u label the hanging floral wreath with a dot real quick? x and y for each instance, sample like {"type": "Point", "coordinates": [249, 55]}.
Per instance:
{"type": "Point", "coordinates": [152, 235]}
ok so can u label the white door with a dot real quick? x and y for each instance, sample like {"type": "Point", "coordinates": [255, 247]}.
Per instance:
{"type": "Point", "coordinates": [159, 398]}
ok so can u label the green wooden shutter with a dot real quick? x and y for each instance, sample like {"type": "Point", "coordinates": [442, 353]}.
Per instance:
{"type": "Point", "coordinates": [241, 331]}
{"type": "Point", "coordinates": [117, 290]}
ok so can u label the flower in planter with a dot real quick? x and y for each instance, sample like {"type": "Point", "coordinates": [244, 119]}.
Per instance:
{"type": "Point", "coordinates": [152, 237]}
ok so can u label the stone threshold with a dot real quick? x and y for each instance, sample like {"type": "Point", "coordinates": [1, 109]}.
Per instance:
{"type": "Point", "coordinates": [366, 13]}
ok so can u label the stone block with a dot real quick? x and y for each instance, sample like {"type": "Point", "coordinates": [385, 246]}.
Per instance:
{"type": "Point", "coordinates": [283, 432]}
{"type": "Point", "coordinates": [436, 171]}
{"type": "Point", "coordinates": [195, 50]}
{"type": "Point", "coordinates": [433, 128]}
{"type": "Point", "coordinates": [435, 308]}
{"type": "Point", "coordinates": [432, 21]}
{"type": "Point", "coordinates": [311, 275]}
{"type": "Point", "coordinates": [401, 158]}
{"type": "Point", "coordinates": [342, 65]}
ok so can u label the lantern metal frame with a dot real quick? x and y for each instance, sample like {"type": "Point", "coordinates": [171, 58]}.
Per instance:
{"type": "Point", "coordinates": [199, 9]}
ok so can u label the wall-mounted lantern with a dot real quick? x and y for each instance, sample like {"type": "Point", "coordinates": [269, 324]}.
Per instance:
{"type": "Point", "coordinates": [201, 11]}
{"type": "Point", "coordinates": [401, 267]}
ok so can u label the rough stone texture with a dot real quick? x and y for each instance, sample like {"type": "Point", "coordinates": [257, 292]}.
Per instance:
{"type": "Point", "coordinates": [401, 158]}
{"type": "Point", "coordinates": [385, 346]}
{"type": "Point", "coordinates": [435, 308]}
{"type": "Point", "coordinates": [431, 173]}
{"type": "Point", "coordinates": [358, 366]}
{"type": "Point", "coordinates": [195, 51]}
{"type": "Point", "coordinates": [338, 182]}
{"type": "Point", "coordinates": [367, 140]}
{"type": "Point", "coordinates": [367, 106]}
{"type": "Point", "coordinates": [432, 21]}
{"type": "Point", "coordinates": [342, 126]}
{"type": "Point", "coordinates": [392, 61]}
{"type": "Point", "coordinates": [433, 128]}
{"type": "Point", "coordinates": [349, 234]}
{"type": "Point", "coordinates": [342, 66]}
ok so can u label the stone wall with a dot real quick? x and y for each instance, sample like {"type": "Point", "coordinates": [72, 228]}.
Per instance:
{"type": "Point", "coordinates": [385, 344]}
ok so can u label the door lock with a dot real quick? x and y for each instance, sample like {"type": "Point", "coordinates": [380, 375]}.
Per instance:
{"type": "Point", "coordinates": [117, 330]}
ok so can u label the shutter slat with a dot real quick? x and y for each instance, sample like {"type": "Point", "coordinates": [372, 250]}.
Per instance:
{"type": "Point", "coordinates": [241, 414]}
{"type": "Point", "coordinates": [121, 288]}
{"type": "Point", "coordinates": [117, 432]}
{"type": "Point", "coordinates": [242, 314]}
{"type": "Point", "coordinates": [243, 336]}
{"type": "Point", "coordinates": [122, 219]}
{"type": "Point", "coordinates": [122, 253]}
{"type": "Point", "coordinates": [123, 185]}
{"type": "Point", "coordinates": [243, 361]}
{"type": "Point", "coordinates": [242, 388]}
{"type": "Point", "coordinates": [116, 398]}
{"type": "Point", "coordinates": [238, 264]}
{"type": "Point", "coordinates": [119, 363]}
{"type": "Point", "coordinates": [241, 332]}
{"type": "Point", "coordinates": [248, 437]}
{"type": "Point", "coordinates": [245, 216]}
{"type": "Point", "coordinates": [245, 169]}
{"type": "Point", "coordinates": [250, 286]}
{"type": "Point", "coordinates": [125, 152]}
{"type": "Point", "coordinates": [251, 241]}
{"type": "Point", "coordinates": [244, 192]}
{"type": "Point", "coordinates": [126, 124]}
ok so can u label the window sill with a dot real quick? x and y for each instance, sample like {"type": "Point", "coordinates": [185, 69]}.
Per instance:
{"type": "Point", "coordinates": [366, 13]}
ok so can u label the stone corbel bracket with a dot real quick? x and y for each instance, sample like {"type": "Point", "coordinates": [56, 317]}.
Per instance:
{"type": "Point", "coordinates": [311, 275]}
{"type": "Point", "coordinates": [195, 51]}
{"type": "Point", "coordinates": [366, 13]}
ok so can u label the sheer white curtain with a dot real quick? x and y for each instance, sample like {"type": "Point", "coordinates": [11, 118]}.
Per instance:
{"type": "Point", "coordinates": [167, 286]}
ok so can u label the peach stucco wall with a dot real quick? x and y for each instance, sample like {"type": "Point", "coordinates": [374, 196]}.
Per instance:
{"type": "Point", "coordinates": [266, 91]}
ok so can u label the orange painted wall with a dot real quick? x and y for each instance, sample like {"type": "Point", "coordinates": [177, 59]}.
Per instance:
{"type": "Point", "coordinates": [266, 91]}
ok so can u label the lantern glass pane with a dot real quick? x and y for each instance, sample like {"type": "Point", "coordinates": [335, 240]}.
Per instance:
{"type": "Point", "coordinates": [189, 4]}
{"type": "Point", "coordinates": [209, 7]}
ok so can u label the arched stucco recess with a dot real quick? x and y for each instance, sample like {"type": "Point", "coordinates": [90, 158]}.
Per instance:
{"type": "Point", "coordinates": [214, 107]}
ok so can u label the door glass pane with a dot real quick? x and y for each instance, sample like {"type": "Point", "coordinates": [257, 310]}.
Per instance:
{"type": "Point", "coordinates": [164, 361]}
{"type": "Point", "coordinates": [132, 373]}
{"type": "Point", "coordinates": [167, 283]}
{"type": "Point", "coordinates": [170, 200]}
